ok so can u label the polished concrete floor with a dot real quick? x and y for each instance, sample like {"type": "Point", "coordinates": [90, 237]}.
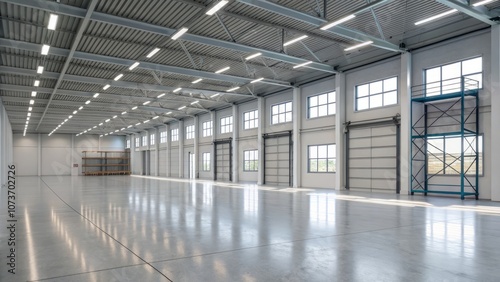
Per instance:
{"type": "Point", "coordinates": [121, 228]}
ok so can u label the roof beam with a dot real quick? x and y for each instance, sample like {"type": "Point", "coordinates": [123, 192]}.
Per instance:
{"type": "Point", "coordinates": [144, 65]}
{"type": "Point", "coordinates": [164, 31]}
{"type": "Point", "coordinates": [474, 12]}
{"type": "Point", "coordinates": [74, 45]}
{"type": "Point", "coordinates": [318, 22]}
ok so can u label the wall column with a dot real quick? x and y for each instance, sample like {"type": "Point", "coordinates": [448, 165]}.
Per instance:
{"type": "Point", "coordinates": [235, 152]}
{"type": "Point", "coordinates": [181, 149]}
{"type": "Point", "coordinates": [196, 149]}
{"type": "Point", "coordinates": [405, 128]}
{"type": "Point", "coordinates": [495, 113]}
{"type": "Point", "coordinates": [339, 131]}
{"type": "Point", "coordinates": [297, 126]}
{"type": "Point", "coordinates": [260, 141]}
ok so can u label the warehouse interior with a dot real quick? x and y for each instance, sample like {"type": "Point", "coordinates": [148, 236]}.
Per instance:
{"type": "Point", "coordinates": [249, 140]}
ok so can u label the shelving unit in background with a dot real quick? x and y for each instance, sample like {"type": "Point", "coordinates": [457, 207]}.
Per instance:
{"type": "Point", "coordinates": [106, 162]}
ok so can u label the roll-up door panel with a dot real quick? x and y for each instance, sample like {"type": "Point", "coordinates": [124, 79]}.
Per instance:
{"type": "Point", "coordinates": [223, 161]}
{"type": "Point", "coordinates": [373, 158]}
{"type": "Point", "coordinates": [277, 160]}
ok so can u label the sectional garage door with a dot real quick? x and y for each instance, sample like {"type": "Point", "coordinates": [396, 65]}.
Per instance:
{"type": "Point", "coordinates": [174, 162]}
{"type": "Point", "coordinates": [223, 160]}
{"type": "Point", "coordinates": [278, 159]}
{"type": "Point", "coordinates": [372, 157]}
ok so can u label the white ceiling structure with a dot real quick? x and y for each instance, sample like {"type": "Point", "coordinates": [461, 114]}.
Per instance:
{"type": "Point", "coordinates": [123, 66]}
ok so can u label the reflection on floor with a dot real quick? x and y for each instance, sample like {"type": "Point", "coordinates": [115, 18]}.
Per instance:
{"type": "Point", "coordinates": [129, 228]}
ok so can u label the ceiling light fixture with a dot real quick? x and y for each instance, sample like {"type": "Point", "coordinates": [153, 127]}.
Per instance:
{"type": "Point", "coordinates": [215, 95]}
{"type": "Point", "coordinates": [483, 3]}
{"type": "Point", "coordinates": [181, 108]}
{"type": "Point", "coordinates": [145, 103]}
{"type": "Point", "coordinates": [69, 117]}
{"type": "Point", "coordinates": [156, 117]}
{"type": "Point", "coordinates": [138, 123]}
{"type": "Point", "coordinates": [118, 77]}
{"type": "Point", "coordinates": [198, 80]}
{"type": "Point", "coordinates": [234, 88]}
{"type": "Point", "coordinates": [152, 53]}
{"type": "Point", "coordinates": [169, 113]}
{"type": "Point", "coordinates": [29, 114]}
{"type": "Point", "coordinates": [222, 70]}
{"type": "Point", "coordinates": [106, 86]}
{"type": "Point", "coordinates": [303, 64]}
{"type": "Point", "coordinates": [33, 93]}
{"type": "Point", "coordinates": [253, 56]}
{"type": "Point", "coordinates": [124, 113]}
{"type": "Point", "coordinates": [337, 22]}
{"type": "Point", "coordinates": [87, 102]}
{"type": "Point", "coordinates": [134, 108]}
{"type": "Point", "coordinates": [161, 95]}
{"type": "Point", "coordinates": [29, 109]}
{"type": "Point", "coordinates": [81, 107]}
{"type": "Point", "coordinates": [294, 40]}
{"type": "Point", "coordinates": [133, 66]}
{"type": "Point", "coordinates": [107, 120]}
{"type": "Point", "coordinates": [32, 102]}
{"type": "Point", "coordinates": [146, 121]}
{"type": "Point", "coordinates": [39, 69]}
{"type": "Point", "coordinates": [52, 22]}
{"type": "Point", "coordinates": [217, 7]}
{"type": "Point", "coordinates": [115, 116]}
{"type": "Point", "coordinates": [359, 46]}
{"type": "Point", "coordinates": [45, 49]}
{"type": "Point", "coordinates": [37, 83]}
{"type": "Point", "coordinates": [195, 102]}
{"type": "Point", "coordinates": [129, 126]}
{"type": "Point", "coordinates": [436, 17]}
{"type": "Point", "coordinates": [100, 124]}
{"type": "Point", "coordinates": [177, 90]}
{"type": "Point", "coordinates": [96, 95]}
{"type": "Point", "coordinates": [257, 80]}
{"type": "Point", "coordinates": [179, 33]}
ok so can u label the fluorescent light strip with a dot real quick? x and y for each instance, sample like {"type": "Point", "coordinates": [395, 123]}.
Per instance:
{"type": "Point", "coordinates": [222, 70]}
{"type": "Point", "coordinates": [96, 95]}
{"type": "Point", "coordinates": [123, 128]}
{"type": "Point", "coordinates": [32, 102]}
{"type": "Point", "coordinates": [161, 95]}
{"type": "Point", "coordinates": [232, 89]}
{"type": "Point", "coordinates": [81, 107]}
{"type": "Point", "coordinates": [118, 77]}
{"type": "Point", "coordinates": [138, 123]}
{"type": "Point", "coordinates": [74, 112]}
{"type": "Point", "coordinates": [295, 40]}
{"type": "Point", "coordinates": [179, 33]}
{"type": "Point", "coordinates": [100, 124]}
{"type": "Point", "coordinates": [87, 102]}
{"type": "Point", "coordinates": [29, 109]}
{"type": "Point", "coordinates": [133, 66]}
{"type": "Point", "coordinates": [257, 80]}
{"type": "Point", "coordinates": [70, 117]}
{"type": "Point", "coordinates": [134, 108]}
{"type": "Point", "coordinates": [52, 22]}
{"type": "Point", "coordinates": [156, 117]}
{"type": "Point", "coordinates": [146, 121]}
{"type": "Point", "coordinates": [115, 116]}
{"type": "Point", "coordinates": [436, 17]}
{"type": "Point", "coordinates": [37, 83]}
{"type": "Point", "coordinates": [253, 56]}
{"type": "Point", "coordinates": [195, 102]}
{"type": "Point", "coordinates": [215, 95]}
{"type": "Point", "coordinates": [45, 49]}
{"type": "Point", "coordinates": [198, 80]}
{"type": "Point", "coordinates": [107, 120]}
{"type": "Point", "coordinates": [217, 7]}
{"type": "Point", "coordinates": [177, 90]}
{"type": "Point", "coordinates": [147, 102]}
{"type": "Point", "coordinates": [483, 3]}
{"type": "Point", "coordinates": [169, 113]}
{"type": "Point", "coordinates": [358, 46]}
{"type": "Point", "coordinates": [152, 53]}
{"type": "Point", "coordinates": [33, 93]}
{"type": "Point", "coordinates": [182, 108]}
{"type": "Point", "coordinates": [106, 86]}
{"type": "Point", "coordinates": [124, 113]}
{"type": "Point", "coordinates": [129, 126]}
{"type": "Point", "coordinates": [29, 114]}
{"type": "Point", "coordinates": [303, 64]}
{"type": "Point", "coordinates": [342, 20]}
{"type": "Point", "coordinates": [39, 69]}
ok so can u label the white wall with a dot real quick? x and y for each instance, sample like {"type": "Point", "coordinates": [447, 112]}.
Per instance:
{"type": "Point", "coordinates": [58, 152]}
{"type": "Point", "coordinates": [6, 147]}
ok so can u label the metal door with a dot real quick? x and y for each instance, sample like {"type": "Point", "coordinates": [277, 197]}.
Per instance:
{"type": "Point", "coordinates": [278, 156]}
{"type": "Point", "coordinates": [223, 160]}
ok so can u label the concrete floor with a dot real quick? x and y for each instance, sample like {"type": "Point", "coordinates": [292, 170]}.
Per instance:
{"type": "Point", "coordinates": [122, 228]}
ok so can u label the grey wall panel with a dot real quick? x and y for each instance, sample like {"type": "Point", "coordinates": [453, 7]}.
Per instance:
{"type": "Point", "coordinates": [152, 162]}
{"type": "Point", "coordinates": [56, 161]}
{"type": "Point", "coordinates": [174, 162]}
{"type": "Point", "coordinates": [26, 161]}
{"type": "Point", "coordinates": [206, 148]}
{"type": "Point", "coordinates": [162, 164]}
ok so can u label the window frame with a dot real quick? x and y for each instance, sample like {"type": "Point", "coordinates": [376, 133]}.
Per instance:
{"type": "Point", "coordinates": [277, 104]}
{"type": "Point", "coordinates": [255, 120]}
{"type": "Point", "coordinates": [231, 125]}
{"type": "Point", "coordinates": [255, 160]}
{"type": "Point", "coordinates": [163, 137]}
{"type": "Point", "coordinates": [127, 144]}
{"type": "Point", "coordinates": [137, 142]}
{"type": "Point", "coordinates": [424, 73]}
{"type": "Point", "coordinates": [381, 93]}
{"type": "Point", "coordinates": [443, 154]}
{"type": "Point", "coordinates": [174, 137]}
{"type": "Point", "coordinates": [318, 158]}
{"type": "Point", "coordinates": [152, 140]}
{"type": "Point", "coordinates": [308, 107]}
{"type": "Point", "coordinates": [205, 162]}
{"type": "Point", "coordinates": [208, 131]}
{"type": "Point", "coordinates": [190, 132]}
{"type": "Point", "coordinates": [144, 140]}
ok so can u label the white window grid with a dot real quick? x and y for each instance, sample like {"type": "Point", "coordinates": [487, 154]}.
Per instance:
{"type": "Point", "coordinates": [226, 124]}
{"type": "Point", "coordinates": [174, 134]}
{"type": "Point", "coordinates": [321, 105]}
{"type": "Point", "coordinates": [251, 119]}
{"type": "Point", "coordinates": [207, 128]}
{"type": "Point", "coordinates": [190, 132]}
{"type": "Point", "coordinates": [377, 94]}
{"type": "Point", "coordinates": [281, 113]}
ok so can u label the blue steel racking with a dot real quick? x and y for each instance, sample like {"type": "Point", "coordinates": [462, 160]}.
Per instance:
{"type": "Point", "coordinates": [445, 98]}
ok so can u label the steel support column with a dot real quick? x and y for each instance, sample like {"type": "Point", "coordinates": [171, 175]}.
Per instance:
{"type": "Point", "coordinates": [495, 112]}
{"type": "Point", "coordinates": [340, 137]}
{"type": "Point", "coordinates": [405, 94]}
{"type": "Point", "coordinates": [297, 125]}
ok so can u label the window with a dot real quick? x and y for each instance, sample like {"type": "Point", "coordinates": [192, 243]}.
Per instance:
{"type": "Point", "coordinates": [207, 128]}
{"type": "Point", "coordinates": [251, 119]}
{"type": "Point", "coordinates": [443, 155]}
{"type": "Point", "coordinates": [137, 144]}
{"type": "Point", "coordinates": [322, 158]}
{"type": "Point", "coordinates": [226, 125]}
{"type": "Point", "coordinates": [281, 113]}
{"type": "Point", "coordinates": [144, 140]}
{"type": "Point", "coordinates": [321, 105]}
{"type": "Point", "coordinates": [205, 162]}
{"type": "Point", "coordinates": [190, 132]}
{"type": "Point", "coordinates": [163, 137]}
{"type": "Point", "coordinates": [446, 79]}
{"type": "Point", "coordinates": [377, 94]}
{"type": "Point", "coordinates": [127, 144]}
{"type": "Point", "coordinates": [174, 134]}
{"type": "Point", "coordinates": [152, 139]}
{"type": "Point", "coordinates": [251, 160]}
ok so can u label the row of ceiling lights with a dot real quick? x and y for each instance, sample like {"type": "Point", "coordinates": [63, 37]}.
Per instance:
{"type": "Point", "coordinates": [433, 18]}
